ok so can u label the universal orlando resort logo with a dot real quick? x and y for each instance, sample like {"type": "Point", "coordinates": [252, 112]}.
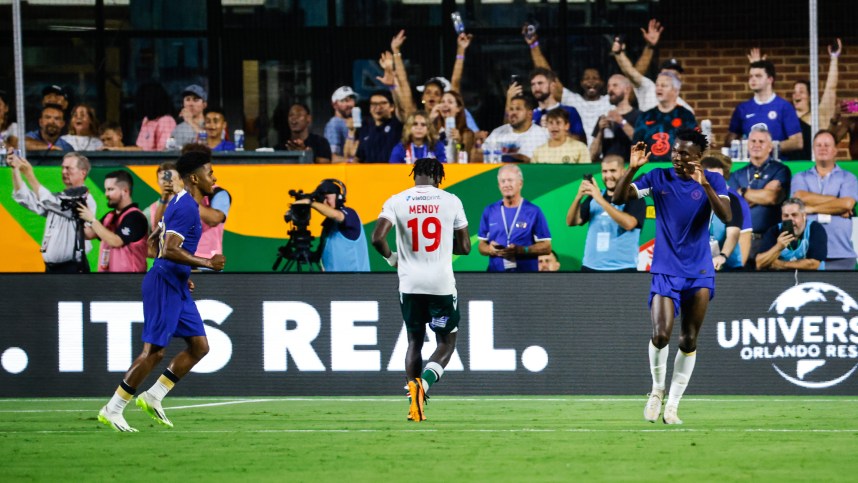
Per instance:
{"type": "Point", "coordinates": [809, 335]}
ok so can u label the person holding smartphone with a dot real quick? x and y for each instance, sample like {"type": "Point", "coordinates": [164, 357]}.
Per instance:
{"type": "Point", "coordinates": [170, 183]}
{"type": "Point", "coordinates": [793, 244]}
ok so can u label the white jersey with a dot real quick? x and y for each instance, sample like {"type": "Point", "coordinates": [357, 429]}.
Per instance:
{"type": "Point", "coordinates": [590, 111]}
{"type": "Point", "coordinates": [425, 218]}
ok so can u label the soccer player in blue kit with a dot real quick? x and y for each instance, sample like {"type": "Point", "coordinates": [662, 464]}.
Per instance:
{"type": "Point", "coordinates": [683, 276]}
{"type": "Point", "coordinates": [168, 309]}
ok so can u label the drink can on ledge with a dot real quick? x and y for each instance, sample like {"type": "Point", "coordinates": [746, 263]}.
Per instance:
{"type": "Point", "coordinates": [238, 139]}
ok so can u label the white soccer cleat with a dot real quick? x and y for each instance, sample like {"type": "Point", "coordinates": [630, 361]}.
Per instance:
{"type": "Point", "coordinates": [115, 421]}
{"type": "Point", "coordinates": [670, 416]}
{"type": "Point", "coordinates": [153, 408]}
{"type": "Point", "coordinates": [653, 406]}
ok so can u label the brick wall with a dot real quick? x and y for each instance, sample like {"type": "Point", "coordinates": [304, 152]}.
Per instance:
{"type": "Point", "coordinates": [716, 74]}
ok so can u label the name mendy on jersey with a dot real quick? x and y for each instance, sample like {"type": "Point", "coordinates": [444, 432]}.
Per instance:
{"type": "Point", "coordinates": [420, 209]}
{"type": "Point", "coordinates": [812, 324]}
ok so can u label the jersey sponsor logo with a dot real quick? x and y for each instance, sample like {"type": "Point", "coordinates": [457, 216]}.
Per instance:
{"type": "Point", "coordinates": [809, 335]}
{"type": "Point", "coordinates": [422, 198]}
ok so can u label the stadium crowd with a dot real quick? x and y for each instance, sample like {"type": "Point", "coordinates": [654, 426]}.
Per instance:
{"type": "Point", "coordinates": [780, 216]}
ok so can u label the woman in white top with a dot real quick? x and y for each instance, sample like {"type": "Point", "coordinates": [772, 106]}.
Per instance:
{"type": "Point", "coordinates": [83, 129]}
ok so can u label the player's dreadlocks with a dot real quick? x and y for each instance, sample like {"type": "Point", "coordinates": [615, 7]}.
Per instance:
{"type": "Point", "coordinates": [694, 136]}
{"type": "Point", "coordinates": [429, 167]}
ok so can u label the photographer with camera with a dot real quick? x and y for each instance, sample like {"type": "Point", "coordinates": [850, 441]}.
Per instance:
{"type": "Point", "coordinates": [343, 246]}
{"type": "Point", "coordinates": [122, 231]}
{"type": "Point", "coordinates": [63, 247]}
{"type": "Point", "coordinates": [793, 244]}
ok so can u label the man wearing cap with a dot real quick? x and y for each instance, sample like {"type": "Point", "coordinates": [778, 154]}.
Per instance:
{"type": "Point", "coordinates": [764, 183]}
{"type": "Point", "coordinates": [343, 101]}
{"type": "Point", "coordinates": [169, 310]}
{"type": "Point", "coordinates": [342, 245]}
{"type": "Point", "coordinates": [55, 95]}
{"type": "Point", "coordinates": [768, 108]}
{"type": "Point", "coordinates": [194, 103]}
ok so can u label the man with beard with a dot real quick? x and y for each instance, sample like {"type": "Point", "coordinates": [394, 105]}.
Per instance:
{"type": "Point", "coordinates": [343, 101]}
{"type": "Point", "coordinates": [302, 139]}
{"type": "Point", "coordinates": [590, 104]}
{"type": "Point", "coordinates": [683, 277]}
{"type": "Point", "coordinates": [541, 85]}
{"type": "Point", "coordinates": [122, 231]}
{"type": "Point", "coordinates": [168, 309]}
{"type": "Point", "coordinates": [47, 137]}
{"type": "Point", "coordinates": [521, 136]}
{"type": "Point", "coordinates": [614, 131]}
{"type": "Point", "coordinates": [614, 231]}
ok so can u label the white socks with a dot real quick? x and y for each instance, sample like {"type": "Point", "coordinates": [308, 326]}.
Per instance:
{"type": "Point", "coordinates": [658, 366]}
{"type": "Point", "coordinates": [683, 366]}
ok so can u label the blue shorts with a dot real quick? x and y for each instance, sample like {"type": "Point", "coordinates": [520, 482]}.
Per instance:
{"type": "Point", "coordinates": [679, 289]}
{"type": "Point", "coordinates": [168, 310]}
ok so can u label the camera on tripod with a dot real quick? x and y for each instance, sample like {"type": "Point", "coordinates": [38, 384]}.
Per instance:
{"type": "Point", "coordinates": [298, 251]}
{"type": "Point", "coordinates": [71, 197]}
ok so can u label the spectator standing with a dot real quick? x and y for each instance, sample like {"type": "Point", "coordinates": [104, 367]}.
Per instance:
{"type": "Point", "coordinates": [829, 194]}
{"type": "Point", "coordinates": [764, 183]}
{"type": "Point", "coordinates": [84, 129]}
{"type": "Point", "coordinates": [613, 234]}
{"type": "Point", "coordinates": [48, 136]}
{"type": "Point", "coordinates": [460, 139]}
{"type": "Point", "coordinates": [122, 231]}
{"type": "Point", "coordinates": [419, 140]}
{"type": "Point", "coordinates": [61, 249]}
{"type": "Point", "coordinates": [768, 108]}
{"type": "Point", "coordinates": [827, 103]}
{"type": "Point", "coordinates": [803, 245]}
{"type": "Point", "coordinates": [158, 124]}
{"type": "Point", "coordinates": [541, 86]}
{"type": "Point", "coordinates": [513, 231]}
{"type": "Point", "coordinates": [194, 103]}
{"type": "Point", "coordinates": [658, 126]}
{"type": "Point", "coordinates": [375, 141]}
{"type": "Point", "coordinates": [302, 139]}
{"type": "Point", "coordinates": [615, 129]}
{"type": "Point", "coordinates": [336, 131]}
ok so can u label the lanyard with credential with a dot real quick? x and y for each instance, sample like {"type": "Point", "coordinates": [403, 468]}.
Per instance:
{"type": "Point", "coordinates": [509, 228]}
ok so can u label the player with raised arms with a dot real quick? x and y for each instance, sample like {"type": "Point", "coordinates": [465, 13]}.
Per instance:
{"type": "Point", "coordinates": [430, 228]}
{"type": "Point", "coordinates": [683, 276]}
{"type": "Point", "coordinates": [168, 309]}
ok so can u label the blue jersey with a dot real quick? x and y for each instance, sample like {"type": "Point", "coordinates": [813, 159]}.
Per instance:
{"type": "Point", "coordinates": [576, 125]}
{"type": "Point", "coordinates": [182, 218]}
{"type": "Point", "coordinates": [681, 222]}
{"type": "Point", "coordinates": [521, 226]}
{"type": "Point", "coordinates": [778, 114]}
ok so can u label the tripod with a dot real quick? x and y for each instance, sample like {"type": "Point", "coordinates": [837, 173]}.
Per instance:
{"type": "Point", "coordinates": [297, 254]}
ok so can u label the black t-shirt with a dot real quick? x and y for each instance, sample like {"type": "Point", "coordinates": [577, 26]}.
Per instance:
{"type": "Point", "coordinates": [635, 207]}
{"type": "Point", "coordinates": [133, 227]}
{"type": "Point", "coordinates": [620, 144]}
{"type": "Point", "coordinates": [376, 142]}
{"type": "Point", "coordinates": [320, 146]}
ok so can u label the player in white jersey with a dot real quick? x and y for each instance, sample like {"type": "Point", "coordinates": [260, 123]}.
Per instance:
{"type": "Point", "coordinates": [430, 228]}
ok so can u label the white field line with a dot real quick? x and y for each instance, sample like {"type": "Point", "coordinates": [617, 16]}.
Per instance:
{"type": "Point", "coordinates": [453, 430]}
{"type": "Point", "coordinates": [398, 400]}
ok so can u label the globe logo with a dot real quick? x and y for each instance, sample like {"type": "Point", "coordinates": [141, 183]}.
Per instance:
{"type": "Point", "coordinates": [809, 334]}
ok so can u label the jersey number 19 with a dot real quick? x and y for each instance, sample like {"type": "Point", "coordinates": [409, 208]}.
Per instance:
{"type": "Point", "coordinates": [431, 230]}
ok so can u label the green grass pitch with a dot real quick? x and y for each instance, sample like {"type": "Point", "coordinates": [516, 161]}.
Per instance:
{"type": "Point", "coordinates": [355, 439]}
